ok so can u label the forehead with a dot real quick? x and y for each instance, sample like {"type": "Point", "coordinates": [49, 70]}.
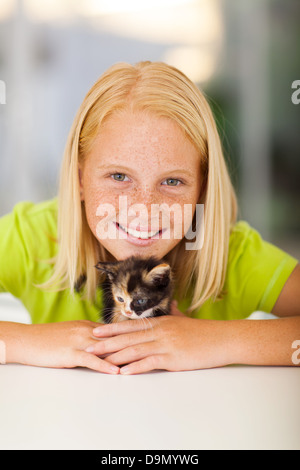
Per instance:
{"type": "Point", "coordinates": [142, 137]}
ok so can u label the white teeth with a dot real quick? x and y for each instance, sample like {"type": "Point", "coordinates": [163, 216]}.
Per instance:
{"type": "Point", "coordinates": [138, 234]}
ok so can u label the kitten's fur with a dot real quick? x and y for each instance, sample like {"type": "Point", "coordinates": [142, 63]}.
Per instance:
{"type": "Point", "coordinates": [144, 284]}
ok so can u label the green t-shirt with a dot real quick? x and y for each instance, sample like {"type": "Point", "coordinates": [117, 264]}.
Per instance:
{"type": "Point", "coordinates": [257, 271]}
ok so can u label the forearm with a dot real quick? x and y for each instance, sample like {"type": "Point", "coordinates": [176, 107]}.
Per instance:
{"type": "Point", "coordinates": [59, 345]}
{"type": "Point", "coordinates": [11, 338]}
{"type": "Point", "coordinates": [176, 343]}
{"type": "Point", "coordinates": [264, 342]}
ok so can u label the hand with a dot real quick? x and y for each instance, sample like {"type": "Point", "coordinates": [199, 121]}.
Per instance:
{"type": "Point", "coordinates": [173, 343]}
{"type": "Point", "coordinates": [58, 345]}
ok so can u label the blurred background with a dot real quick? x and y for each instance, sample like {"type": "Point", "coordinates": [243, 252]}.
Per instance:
{"type": "Point", "coordinates": [243, 54]}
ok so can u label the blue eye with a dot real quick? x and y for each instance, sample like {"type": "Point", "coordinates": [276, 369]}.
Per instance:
{"type": "Point", "coordinates": [141, 301]}
{"type": "Point", "coordinates": [120, 299]}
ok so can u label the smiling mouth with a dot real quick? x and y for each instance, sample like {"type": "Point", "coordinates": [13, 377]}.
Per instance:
{"type": "Point", "coordinates": [140, 234]}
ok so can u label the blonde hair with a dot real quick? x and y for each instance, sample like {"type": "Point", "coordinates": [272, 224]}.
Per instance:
{"type": "Point", "coordinates": [165, 91]}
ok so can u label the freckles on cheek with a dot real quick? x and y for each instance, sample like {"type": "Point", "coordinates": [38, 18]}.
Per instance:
{"type": "Point", "coordinates": [94, 199]}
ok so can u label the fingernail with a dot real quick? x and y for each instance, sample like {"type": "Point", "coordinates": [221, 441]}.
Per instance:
{"type": "Point", "coordinates": [90, 349]}
{"type": "Point", "coordinates": [97, 330]}
{"type": "Point", "coordinates": [115, 369]}
{"type": "Point", "coordinates": [125, 370]}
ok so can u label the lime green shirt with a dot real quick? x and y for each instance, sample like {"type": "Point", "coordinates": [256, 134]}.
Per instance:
{"type": "Point", "coordinates": [256, 274]}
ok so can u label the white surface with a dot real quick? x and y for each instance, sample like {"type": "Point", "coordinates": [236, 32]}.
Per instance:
{"type": "Point", "coordinates": [229, 408]}
{"type": "Point", "coordinates": [11, 309]}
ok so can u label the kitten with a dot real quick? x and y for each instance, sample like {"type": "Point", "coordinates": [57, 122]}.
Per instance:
{"type": "Point", "coordinates": [136, 288]}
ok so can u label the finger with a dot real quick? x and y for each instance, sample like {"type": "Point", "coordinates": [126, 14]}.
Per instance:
{"type": "Point", "coordinates": [145, 365]}
{"type": "Point", "coordinates": [132, 353]}
{"type": "Point", "coordinates": [93, 362]}
{"type": "Point", "coordinates": [117, 343]}
{"type": "Point", "coordinates": [114, 329]}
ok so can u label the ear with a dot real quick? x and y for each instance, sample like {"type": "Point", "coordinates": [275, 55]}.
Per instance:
{"type": "Point", "coordinates": [110, 269]}
{"type": "Point", "coordinates": [159, 276]}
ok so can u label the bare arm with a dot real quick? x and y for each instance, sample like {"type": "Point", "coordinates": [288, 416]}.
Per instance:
{"type": "Point", "coordinates": [266, 342]}
{"type": "Point", "coordinates": [273, 342]}
{"type": "Point", "coordinates": [180, 343]}
{"type": "Point", "coordinates": [58, 345]}
{"type": "Point", "coordinates": [171, 343]}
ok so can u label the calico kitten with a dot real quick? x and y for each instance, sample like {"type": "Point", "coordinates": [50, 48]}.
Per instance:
{"type": "Point", "coordinates": [136, 288]}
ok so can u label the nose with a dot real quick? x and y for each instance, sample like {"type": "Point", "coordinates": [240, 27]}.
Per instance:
{"type": "Point", "coordinates": [151, 199]}
{"type": "Point", "coordinates": [138, 209]}
{"type": "Point", "coordinates": [128, 313]}
{"type": "Point", "coordinates": [146, 194]}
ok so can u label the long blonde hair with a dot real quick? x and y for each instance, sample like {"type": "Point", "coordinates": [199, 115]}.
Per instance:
{"type": "Point", "coordinates": [165, 91]}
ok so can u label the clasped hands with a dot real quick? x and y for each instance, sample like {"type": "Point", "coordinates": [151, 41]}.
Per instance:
{"type": "Point", "coordinates": [174, 343]}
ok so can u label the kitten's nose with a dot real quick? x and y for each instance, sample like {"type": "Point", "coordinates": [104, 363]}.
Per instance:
{"type": "Point", "coordinates": [128, 313]}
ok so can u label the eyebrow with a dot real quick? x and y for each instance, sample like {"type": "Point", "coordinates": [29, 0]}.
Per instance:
{"type": "Point", "coordinates": [114, 166]}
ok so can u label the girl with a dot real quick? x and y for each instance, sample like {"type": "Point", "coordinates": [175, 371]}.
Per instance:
{"type": "Point", "coordinates": [146, 133]}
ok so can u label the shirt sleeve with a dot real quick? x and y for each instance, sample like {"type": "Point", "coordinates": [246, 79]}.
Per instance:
{"type": "Point", "coordinates": [258, 271]}
{"type": "Point", "coordinates": [14, 254]}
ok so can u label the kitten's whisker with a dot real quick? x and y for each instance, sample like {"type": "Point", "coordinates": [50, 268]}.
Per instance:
{"type": "Point", "coordinates": [150, 281]}
{"type": "Point", "coordinates": [147, 322]}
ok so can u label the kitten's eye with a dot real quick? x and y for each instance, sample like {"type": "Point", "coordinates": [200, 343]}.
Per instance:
{"type": "Point", "coordinates": [141, 301]}
{"type": "Point", "coordinates": [172, 182]}
{"type": "Point", "coordinates": [120, 299]}
{"type": "Point", "coordinates": [119, 177]}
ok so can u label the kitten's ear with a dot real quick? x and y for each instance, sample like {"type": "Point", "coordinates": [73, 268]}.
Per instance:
{"type": "Point", "coordinates": [110, 269]}
{"type": "Point", "coordinates": [160, 275]}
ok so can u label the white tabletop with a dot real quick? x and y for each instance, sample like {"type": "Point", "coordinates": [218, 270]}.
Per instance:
{"type": "Point", "coordinates": [229, 408]}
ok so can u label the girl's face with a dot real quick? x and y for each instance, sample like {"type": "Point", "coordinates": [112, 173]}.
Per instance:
{"type": "Point", "coordinates": [139, 158]}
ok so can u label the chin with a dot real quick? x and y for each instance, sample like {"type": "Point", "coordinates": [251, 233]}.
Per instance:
{"type": "Point", "coordinates": [123, 250]}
